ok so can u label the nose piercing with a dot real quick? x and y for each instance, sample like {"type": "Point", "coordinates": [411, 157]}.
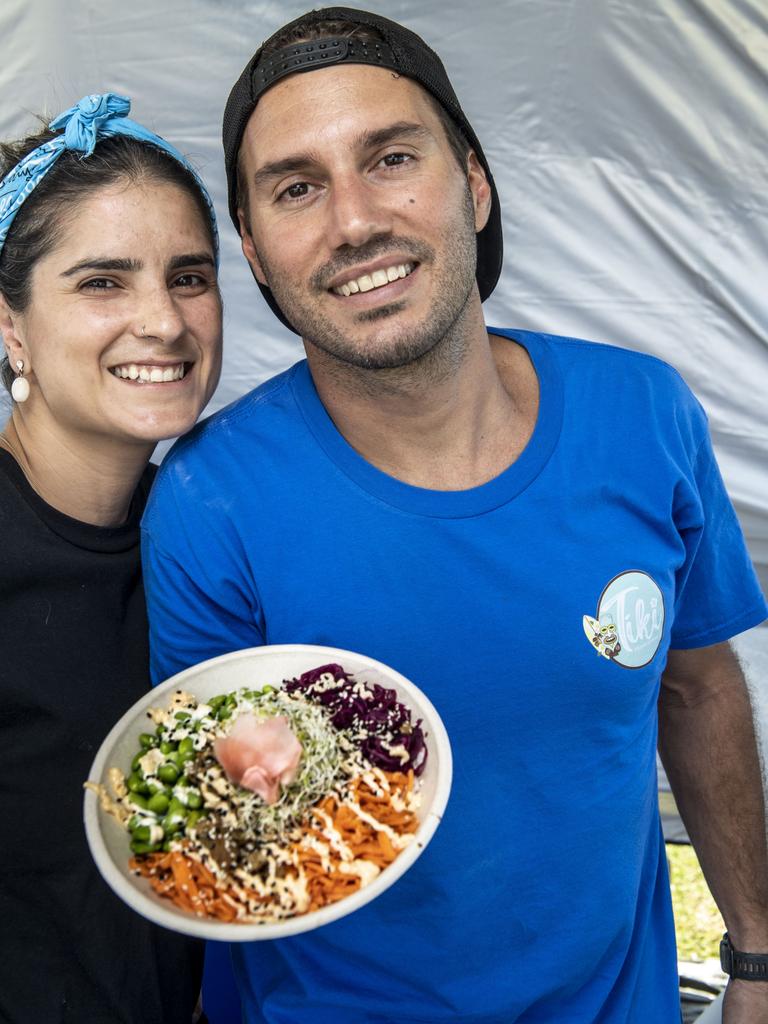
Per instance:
{"type": "Point", "coordinates": [143, 331]}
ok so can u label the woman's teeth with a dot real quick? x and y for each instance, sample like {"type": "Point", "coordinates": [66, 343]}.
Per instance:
{"type": "Point", "coordinates": [150, 374]}
{"type": "Point", "coordinates": [367, 282]}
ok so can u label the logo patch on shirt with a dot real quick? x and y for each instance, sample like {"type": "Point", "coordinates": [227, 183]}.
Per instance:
{"type": "Point", "coordinates": [629, 621]}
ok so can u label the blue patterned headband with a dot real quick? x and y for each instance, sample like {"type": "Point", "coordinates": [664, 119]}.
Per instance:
{"type": "Point", "coordinates": [93, 118]}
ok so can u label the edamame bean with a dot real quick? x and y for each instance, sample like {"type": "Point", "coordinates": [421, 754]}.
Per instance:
{"type": "Point", "coordinates": [141, 847]}
{"type": "Point", "coordinates": [168, 772]}
{"type": "Point", "coordinates": [137, 783]}
{"type": "Point", "coordinates": [180, 759]}
{"type": "Point", "coordinates": [158, 803]}
{"type": "Point", "coordinates": [142, 834]}
{"type": "Point", "coordinates": [147, 740]}
{"type": "Point", "coordinates": [138, 800]}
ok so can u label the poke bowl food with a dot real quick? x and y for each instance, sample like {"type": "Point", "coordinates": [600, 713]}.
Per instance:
{"type": "Point", "coordinates": [267, 792]}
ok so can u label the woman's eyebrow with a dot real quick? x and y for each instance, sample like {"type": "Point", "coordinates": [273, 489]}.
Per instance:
{"type": "Point", "coordinates": [191, 259]}
{"type": "Point", "coordinates": [94, 263]}
{"type": "Point", "coordinates": [129, 265]}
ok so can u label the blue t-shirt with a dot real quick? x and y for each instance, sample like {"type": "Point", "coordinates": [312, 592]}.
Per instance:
{"type": "Point", "coordinates": [536, 612]}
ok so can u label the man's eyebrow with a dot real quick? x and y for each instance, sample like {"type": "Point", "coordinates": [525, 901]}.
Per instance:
{"type": "Point", "coordinates": [405, 130]}
{"type": "Point", "coordinates": [394, 132]}
{"type": "Point", "coordinates": [277, 168]}
{"type": "Point", "coordinates": [94, 263]}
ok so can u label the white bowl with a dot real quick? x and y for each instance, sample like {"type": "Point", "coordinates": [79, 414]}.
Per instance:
{"type": "Point", "coordinates": [254, 668]}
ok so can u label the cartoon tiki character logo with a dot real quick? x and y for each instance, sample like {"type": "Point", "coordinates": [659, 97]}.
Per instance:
{"type": "Point", "coordinates": [628, 625]}
{"type": "Point", "coordinates": [603, 638]}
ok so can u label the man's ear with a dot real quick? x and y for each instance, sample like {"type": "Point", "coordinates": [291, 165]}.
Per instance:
{"type": "Point", "coordinates": [249, 249]}
{"type": "Point", "coordinates": [12, 336]}
{"type": "Point", "coordinates": [480, 189]}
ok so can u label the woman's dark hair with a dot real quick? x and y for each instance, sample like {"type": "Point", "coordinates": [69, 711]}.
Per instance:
{"type": "Point", "coordinates": [73, 178]}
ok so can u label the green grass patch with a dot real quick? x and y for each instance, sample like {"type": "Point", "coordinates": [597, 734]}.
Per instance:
{"type": "Point", "coordinates": [698, 923]}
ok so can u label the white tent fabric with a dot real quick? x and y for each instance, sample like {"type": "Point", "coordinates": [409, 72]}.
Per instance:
{"type": "Point", "coordinates": [628, 142]}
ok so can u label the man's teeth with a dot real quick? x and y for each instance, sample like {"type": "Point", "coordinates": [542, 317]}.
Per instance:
{"type": "Point", "coordinates": [150, 374]}
{"type": "Point", "coordinates": [377, 279]}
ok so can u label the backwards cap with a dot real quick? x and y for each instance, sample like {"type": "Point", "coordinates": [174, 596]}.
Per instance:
{"type": "Point", "coordinates": [400, 50]}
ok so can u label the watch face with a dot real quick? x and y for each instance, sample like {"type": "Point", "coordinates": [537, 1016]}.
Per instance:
{"type": "Point", "coordinates": [726, 964]}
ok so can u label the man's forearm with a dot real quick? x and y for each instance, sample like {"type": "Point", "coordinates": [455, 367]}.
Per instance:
{"type": "Point", "coordinates": [708, 748]}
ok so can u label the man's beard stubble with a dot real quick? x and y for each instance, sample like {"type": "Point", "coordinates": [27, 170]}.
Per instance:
{"type": "Point", "coordinates": [427, 351]}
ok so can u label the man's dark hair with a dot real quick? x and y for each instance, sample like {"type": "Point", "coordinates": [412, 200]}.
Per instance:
{"type": "Point", "coordinates": [306, 31]}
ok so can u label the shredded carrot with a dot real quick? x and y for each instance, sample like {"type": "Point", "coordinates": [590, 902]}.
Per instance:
{"type": "Point", "coordinates": [327, 867]}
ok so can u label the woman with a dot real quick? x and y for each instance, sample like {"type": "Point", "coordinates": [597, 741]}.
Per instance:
{"type": "Point", "coordinates": [111, 322]}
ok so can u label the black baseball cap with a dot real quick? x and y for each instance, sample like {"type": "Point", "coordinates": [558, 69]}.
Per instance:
{"type": "Point", "coordinates": [400, 50]}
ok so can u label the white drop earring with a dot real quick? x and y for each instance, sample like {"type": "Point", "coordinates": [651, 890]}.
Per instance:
{"type": "Point", "coordinates": [20, 386]}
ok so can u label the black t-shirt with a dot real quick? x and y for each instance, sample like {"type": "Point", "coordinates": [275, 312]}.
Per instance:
{"type": "Point", "coordinates": [73, 658]}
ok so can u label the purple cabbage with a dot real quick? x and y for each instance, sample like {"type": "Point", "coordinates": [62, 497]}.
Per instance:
{"type": "Point", "coordinates": [368, 708]}
{"type": "Point", "coordinates": [413, 742]}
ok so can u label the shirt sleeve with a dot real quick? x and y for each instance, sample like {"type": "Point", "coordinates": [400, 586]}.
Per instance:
{"type": "Point", "coordinates": [201, 599]}
{"type": "Point", "coordinates": [718, 593]}
{"type": "Point", "coordinates": [188, 625]}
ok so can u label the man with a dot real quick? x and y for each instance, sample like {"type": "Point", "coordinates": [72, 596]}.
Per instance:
{"type": "Point", "coordinates": [531, 528]}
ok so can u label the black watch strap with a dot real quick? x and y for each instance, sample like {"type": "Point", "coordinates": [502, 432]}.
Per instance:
{"type": "Point", "coordinates": [745, 966]}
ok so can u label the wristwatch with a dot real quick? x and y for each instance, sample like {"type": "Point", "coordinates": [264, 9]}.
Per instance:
{"type": "Point", "coordinates": [746, 966]}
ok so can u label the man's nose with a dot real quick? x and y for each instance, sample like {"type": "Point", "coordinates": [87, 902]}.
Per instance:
{"type": "Point", "coordinates": [356, 213]}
